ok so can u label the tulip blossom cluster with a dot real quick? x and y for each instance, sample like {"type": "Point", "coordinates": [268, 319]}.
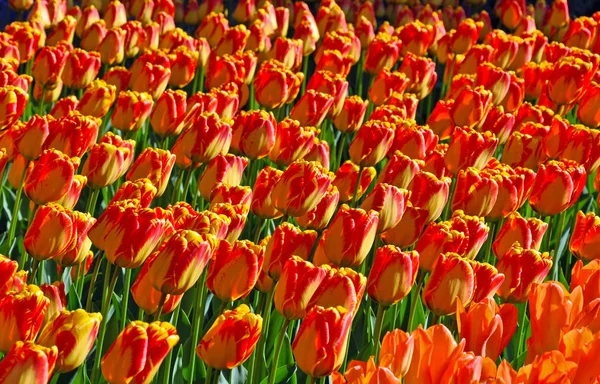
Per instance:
{"type": "Point", "coordinates": [271, 191]}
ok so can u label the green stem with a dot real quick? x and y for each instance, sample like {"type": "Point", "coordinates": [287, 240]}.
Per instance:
{"type": "Point", "coordinates": [305, 71]}
{"type": "Point", "coordinates": [126, 289]}
{"type": "Point", "coordinates": [102, 333]}
{"type": "Point", "coordinates": [360, 70]}
{"type": "Point", "coordinates": [175, 194]}
{"type": "Point", "coordinates": [91, 204]}
{"type": "Point", "coordinates": [315, 245]}
{"type": "Point", "coordinates": [487, 252]}
{"type": "Point", "coordinates": [209, 372]}
{"type": "Point", "coordinates": [201, 168]}
{"type": "Point", "coordinates": [188, 181]}
{"type": "Point", "coordinates": [34, 269]}
{"type": "Point", "coordinates": [340, 150]}
{"type": "Point", "coordinates": [557, 235]}
{"type": "Point", "coordinates": [88, 304]}
{"type": "Point", "coordinates": [259, 228]}
{"type": "Point", "coordinates": [260, 350]}
{"type": "Point", "coordinates": [448, 208]}
{"type": "Point", "coordinates": [161, 304]}
{"type": "Point", "coordinates": [546, 241]}
{"type": "Point", "coordinates": [311, 380]}
{"type": "Point", "coordinates": [167, 364]}
{"type": "Point", "coordinates": [521, 327]}
{"type": "Point", "coordinates": [354, 196]}
{"type": "Point", "coordinates": [12, 230]}
{"type": "Point", "coordinates": [378, 325]}
{"type": "Point", "coordinates": [198, 320]}
{"type": "Point", "coordinates": [30, 216]}
{"type": "Point", "coordinates": [42, 101]}
{"type": "Point", "coordinates": [413, 304]}
{"type": "Point", "coordinates": [278, 345]}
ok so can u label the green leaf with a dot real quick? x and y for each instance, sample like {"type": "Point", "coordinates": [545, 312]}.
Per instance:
{"type": "Point", "coordinates": [282, 375]}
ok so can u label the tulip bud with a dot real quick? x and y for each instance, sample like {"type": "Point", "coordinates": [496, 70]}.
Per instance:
{"type": "Point", "coordinates": [306, 31]}
{"type": "Point", "coordinates": [476, 192]}
{"type": "Point", "coordinates": [351, 115]}
{"type": "Point", "coordinates": [421, 74]}
{"type": "Point", "coordinates": [73, 134]}
{"type": "Point", "coordinates": [288, 52]}
{"type": "Point", "coordinates": [262, 205]}
{"type": "Point", "coordinates": [382, 53]}
{"type": "Point", "coordinates": [385, 84]}
{"type": "Point", "coordinates": [212, 28]}
{"type": "Point", "coordinates": [207, 137]}
{"type": "Point", "coordinates": [469, 148]}
{"type": "Point", "coordinates": [429, 193]}
{"type": "Point", "coordinates": [22, 313]}
{"type": "Point", "coordinates": [51, 233]}
{"type": "Point", "coordinates": [585, 236]}
{"type": "Point", "coordinates": [97, 99]}
{"type": "Point", "coordinates": [253, 133]}
{"type": "Point", "coordinates": [586, 112]}
{"type": "Point", "coordinates": [49, 64]}
{"type": "Point", "coordinates": [30, 138]}
{"type": "Point", "coordinates": [523, 268]}
{"type": "Point", "coordinates": [312, 108]}
{"type": "Point", "coordinates": [276, 85]}
{"type": "Point", "coordinates": [112, 46]}
{"type": "Point", "coordinates": [146, 296]}
{"type": "Point", "coordinates": [399, 170]}
{"type": "Point", "coordinates": [292, 142]}
{"type": "Point", "coordinates": [392, 275]}
{"type": "Point", "coordinates": [326, 330]}
{"type": "Point", "coordinates": [168, 113]}
{"type": "Point", "coordinates": [319, 217]}
{"type": "Point", "coordinates": [155, 165]}
{"type": "Point", "coordinates": [415, 141]}
{"type": "Point", "coordinates": [131, 110]}
{"type": "Point", "coordinates": [286, 241]}
{"type": "Point", "coordinates": [439, 238]}
{"type": "Point", "coordinates": [50, 177]}
{"type": "Point", "coordinates": [372, 143]}
{"type": "Point", "coordinates": [26, 361]}
{"type": "Point", "coordinates": [231, 339]}
{"type": "Point", "coordinates": [341, 245]}
{"type": "Point", "coordinates": [13, 101]}
{"type": "Point", "coordinates": [563, 181]}
{"type": "Point", "coordinates": [108, 160]}
{"type": "Point", "coordinates": [389, 202]}
{"type": "Point", "coordinates": [119, 77]}
{"type": "Point", "coordinates": [516, 229]}
{"type": "Point", "coordinates": [138, 351]}
{"type": "Point", "coordinates": [452, 279]}
{"type": "Point", "coordinates": [81, 68]}
{"type": "Point", "coordinates": [570, 78]}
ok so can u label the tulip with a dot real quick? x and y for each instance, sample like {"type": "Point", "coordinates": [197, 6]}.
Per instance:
{"type": "Point", "coordinates": [237, 214]}
{"type": "Point", "coordinates": [179, 262]}
{"type": "Point", "coordinates": [12, 105]}
{"type": "Point", "coordinates": [112, 46]}
{"type": "Point", "coordinates": [231, 339]}
{"type": "Point", "coordinates": [523, 268]}
{"type": "Point", "coordinates": [262, 204]}
{"type": "Point", "coordinates": [28, 38]}
{"type": "Point", "coordinates": [514, 187]}
{"type": "Point", "coordinates": [320, 216]}
{"type": "Point", "coordinates": [108, 160]}
{"type": "Point", "coordinates": [97, 99]}
{"type": "Point", "coordinates": [49, 64]}
{"type": "Point", "coordinates": [346, 180]}
{"type": "Point", "coordinates": [151, 80]}
{"type": "Point", "coordinates": [392, 275]}
{"type": "Point", "coordinates": [226, 169]}
{"type": "Point", "coordinates": [30, 138]}
{"type": "Point", "coordinates": [134, 38]}
{"type": "Point", "coordinates": [469, 148]}
{"type": "Point", "coordinates": [207, 137]}
{"type": "Point", "coordinates": [382, 53]}
{"type": "Point", "coordinates": [385, 84]}
{"type": "Point", "coordinates": [212, 28]}
{"type": "Point", "coordinates": [581, 146]}
{"type": "Point", "coordinates": [452, 279]}
{"type": "Point", "coordinates": [570, 78]}
{"type": "Point", "coordinates": [524, 149]}
{"type": "Point", "coordinates": [297, 284]}
{"type": "Point", "coordinates": [27, 362]}
{"type": "Point", "coordinates": [334, 61]}
{"type": "Point", "coordinates": [276, 85]}
{"type": "Point", "coordinates": [421, 73]}
{"type": "Point", "coordinates": [396, 352]}
{"type": "Point", "coordinates": [141, 190]}
{"type": "Point", "coordinates": [312, 108]}
{"type": "Point", "coordinates": [119, 77]}
{"type": "Point", "coordinates": [146, 296]}
{"type": "Point", "coordinates": [22, 313]}
{"type": "Point", "coordinates": [429, 193]}
{"type": "Point", "coordinates": [254, 133]}
{"type": "Point", "coordinates": [341, 245]}
{"type": "Point", "coordinates": [585, 236]}
{"type": "Point", "coordinates": [233, 41]}
{"type": "Point", "coordinates": [50, 177]}
{"type": "Point", "coordinates": [51, 232]}
{"type": "Point", "coordinates": [286, 241]}
{"type": "Point", "coordinates": [168, 113]}
{"type": "Point", "coordinates": [73, 134]}
{"type": "Point", "coordinates": [510, 12]}
{"type": "Point", "coordinates": [413, 140]}
{"type": "Point", "coordinates": [235, 195]}
{"type": "Point", "coordinates": [80, 244]}
{"type": "Point", "coordinates": [144, 228]}
{"type": "Point", "coordinates": [487, 281]}
{"type": "Point", "coordinates": [80, 68]}
{"type": "Point", "coordinates": [408, 230]}
{"type": "Point", "coordinates": [10, 77]}
{"type": "Point", "coordinates": [389, 202]}
{"type": "Point", "coordinates": [586, 113]}
{"type": "Point", "coordinates": [371, 143]}
{"type": "Point", "coordinates": [471, 106]}
{"type": "Point", "coordinates": [399, 170]}
{"type": "Point", "coordinates": [516, 229]}
{"type": "Point", "coordinates": [292, 142]}
{"type": "Point", "coordinates": [439, 238]}
{"type": "Point", "coordinates": [54, 292]}
{"type": "Point", "coordinates": [563, 181]}
{"type": "Point", "coordinates": [131, 110]}
{"type": "Point", "coordinates": [138, 351]}
{"type": "Point", "coordinates": [306, 31]}
{"type": "Point", "coordinates": [476, 192]}
{"type": "Point", "coordinates": [155, 165]}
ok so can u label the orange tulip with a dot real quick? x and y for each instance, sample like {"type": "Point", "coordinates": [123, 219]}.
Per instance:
{"type": "Point", "coordinates": [108, 160]}
{"type": "Point", "coordinates": [226, 169]}
{"type": "Point", "coordinates": [476, 192]}
{"type": "Point", "coordinates": [97, 99]}
{"type": "Point", "coordinates": [135, 36]}
{"type": "Point", "coordinates": [399, 170]}
{"type": "Point", "coordinates": [525, 148]}
{"type": "Point", "coordinates": [73, 134]}
{"type": "Point", "coordinates": [49, 64]}
{"type": "Point", "coordinates": [396, 352]}
{"type": "Point", "coordinates": [516, 229]}
{"type": "Point", "coordinates": [570, 77]}
{"type": "Point", "coordinates": [146, 296]}
{"type": "Point", "coordinates": [141, 190]}
{"type": "Point", "coordinates": [112, 46]}
{"type": "Point", "coordinates": [22, 313]}
{"type": "Point", "coordinates": [438, 238]}
{"type": "Point", "coordinates": [557, 186]}
{"type": "Point", "coordinates": [297, 284]}
{"type": "Point", "coordinates": [28, 362]}
{"type": "Point", "coordinates": [351, 115]}
{"type": "Point", "coordinates": [471, 106]}
{"type": "Point", "coordinates": [326, 330]}
{"type": "Point", "coordinates": [585, 235]}
{"type": "Point", "coordinates": [452, 280]}
{"type": "Point", "coordinates": [142, 347]}
{"type": "Point", "coordinates": [131, 110]}
{"type": "Point", "coordinates": [392, 275]}
{"type": "Point", "coordinates": [408, 230]}
{"type": "Point", "coordinates": [389, 202]}
{"type": "Point", "coordinates": [382, 53]}
{"type": "Point", "coordinates": [587, 113]}
{"type": "Point", "coordinates": [50, 177]}
{"type": "Point", "coordinates": [415, 141]}
{"type": "Point", "coordinates": [523, 268]}
{"type": "Point", "coordinates": [12, 105]}
{"type": "Point", "coordinates": [262, 204]}
{"type": "Point", "coordinates": [514, 187]}
{"type": "Point", "coordinates": [421, 74]}
{"type": "Point", "coordinates": [150, 79]}
{"type": "Point", "coordinates": [346, 179]}
{"type": "Point", "coordinates": [231, 339]}
{"type": "Point", "coordinates": [385, 84]}
{"type": "Point", "coordinates": [80, 68]}
{"type": "Point", "coordinates": [206, 138]}
{"type": "Point", "coordinates": [429, 193]}
{"type": "Point", "coordinates": [155, 165]}
{"type": "Point", "coordinates": [469, 148]}
{"type": "Point", "coordinates": [276, 85]}
{"type": "Point", "coordinates": [169, 113]}
{"type": "Point", "coordinates": [320, 216]}
{"type": "Point", "coordinates": [254, 133]}
{"type": "Point", "coordinates": [212, 28]}
{"type": "Point", "coordinates": [119, 77]}
{"type": "Point", "coordinates": [51, 233]}
{"type": "Point", "coordinates": [312, 108]}
{"type": "Point", "coordinates": [286, 241]}
{"type": "Point", "coordinates": [235, 195]}
{"type": "Point", "coordinates": [30, 138]}
{"type": "Point", "coordinates": [341, 245]}
{"type": "Point", "coordinates": [372, 143]}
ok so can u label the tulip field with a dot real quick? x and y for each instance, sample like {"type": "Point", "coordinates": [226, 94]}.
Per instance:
{"type": "Point", "coordinates": [278, 192]}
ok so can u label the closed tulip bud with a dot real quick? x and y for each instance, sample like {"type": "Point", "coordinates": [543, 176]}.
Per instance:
{"type": "Point", "coordinates": [13, 101]}
{"type": "Point", "coordinates": [487, 327]}
{"type": "Point", "coordinates": [351, 115]}
{"type": "Point", "coordinates": [179, 262]}
{"type": "Point", "coordinates": [141, 190]}
{"type": "Point", "coordinates": [276, 85]}
{"type": "Point", "coordinates": [372, 143]}
{"type": "Point", "coordinates": [408, 230]}
{"type": "Point", "coordinates": [340, 243]}
{"type": "Point", "coordinates": [73, 134]}
{"type": "Point", "coordinates": [525, 149]}
{"type": "Point", "coordinates": [312, 108]}
{"type": "Point", "coordinates": [63, 32]}
{"type": "Point", "coordinates": [415, 141]}
{"type": "Point", "coordinates": [50, 177]}
{"type": "Point", "coordinates": [27, 362]}
{"type": "Point", "coordinates": [80, 244]}
{"type": "Point", "coordinates": [392, 275]}
{"type": "Point", "coordinates": [452, 279]}
{"type": "Point", "coordinates": [300, 174]}
{"type": "Point", "coordinates": [231, 339]}
{"type": "Point", "coordinates": [389, 202]}
{"type": "Point", "coordinates": [585, 235]}
{"type": "Point", "coordinates": [30, 138]}
{"type": "Point", "coordinates": [469, 148]}
{"type": "Point", "coordinates": [253, 133]}
{"type": "Point", "coordinates": [421, 74]}
{"type": "Point", "coordinates": [341, 287]}
{"type": "Point", "coordinates": [310, 338]}
{"type": "Point", "coordinates": [108, 160]}
{"type": "Point", "coordinates": [241, 255]}
{"type": "Point", "coordinates": [115, 14]}
{"type": "Point", "coordinates": [128, 233]}
{"type": "Point", "coordinates": [523, 268]}
{"type": "Point", "coordinates": [49, 64]}
{"type": "Point", "coordinates": [141, 10]}
{"type": "Point", "coordinates": [563, 181]}
{"type": "Point", "coordinates": [430, 193]}
{"type": "Point", "coordinates": [476, 192]}
{"type": "Point", "coordinates": [516, 229]}
{"type": "Point", "coordinates": [88, 16]}
{"type": "Point", "coordinates": [399, 170]}
{"type": "Point", "coordinates": [346, 179]}
{"type": "Point", "coordinates": [471, 107]}
{"type": "Point", "coordinates": [288, 52]}
{"type": "Point", "coordinates": [74, 333]}
{"type": "Point", "coordinates": [262, 204]}
{"type": "Point", "coordinates": [22, 313]}
{"type": "Point", "coordinates": [207, 137]}
{"type": "Point", "coordinates": [168, 113]}
{"type": "Point", "coordinates": [134, 38]}
{"type": "Point", "coordinates": [80, 68]}
{"type": "Point", "coordinates": [286, 241]}
{"type": "Point", "coordinates": [152, 79]}
{"type": "Point", "coordinates": [97, 99]}
{"type": "Point", "coordinates": [112, 46]}
{"type": "Point", "coordinates": [299, 281]}
{"type": "Point", "coordinates": [51, 232]}
{"type": "Point", "coordinates": [145, 346]}
{"type": "Point", "coordinates": [146, 296]}
{"type": "Point", "coordinates": [499, 123]}
{"type": "Point", "coordinates": [93, 36]}
{"type": "Point", "coordinates": [183, 66]}
{"type": "Point", "coordinates": [307, 32]}
{"type": "Point", "coordinates": [570, 77]}
{"type": "Point", "coordinates": [382, 53]}
{"type": "Point", "coordinates": [493, 79]}
{"type": "Point", "coordinates": [154, 164]}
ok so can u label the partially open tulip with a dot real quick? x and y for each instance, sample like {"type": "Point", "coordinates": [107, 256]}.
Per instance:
{"type": "Point", "coordinates": [399, 170]}
{"type": "Point", "coordinates": [396, 352]}
{"type": "Point", "coordinates": [408, 230]}
{"type": "Point", "coordinates": [372, 143]}
{"type": "Point", "coordinates": [452, 279]}
{"type": "Point", "coordinates": [471, 106]}
{"type": "Point", "coordinates": [439, 238]}
{"type": "Point", "coordinates": [514, 187]}
{"type": "Point", "coordinates": [80, 69]}
{"type": "Point", "coordinates": [557, 186]}
{"type": "Point", "coordinates": [389, 202]}
{"type": "Point", "coordinates": [140, 189]}
{"type": "Point", "coordinates": [320, 216]}
{"type": "Point", "coordinates": [392, 275]}
{"type": "Point", "coordinates": [287, 241]}
{"type": "Point", "coordinates": [517, 229]}
{"type": "Point", "coordinates": [382, 53]}
{"type": "Point", "coordinates": [469, 148]}
{"type": "Point", "coordinates": [585, 236]}
{"type": "Point", "coordinates": [50, 177]}
{"type": "Point", "coordinates": [254, 133]}
{"type": "Point", "coordinates": [231, 339]}
{"type": "Point", "coordinates": [341, 244]}
{"type": "Point", "coordinates": [570, 77]}
{"type": "Point", "coordinates": [97, 99]}
{"type": "Point", "coordinates": [108, 160]}
{"type": "Point", "coordinates": [385, 84]}
{"type": "Point", "coordinates": [74, 334]}
{"type": "Point", "coordinates": [13, 101]}
{"type": "Point", "coordinates": [22, 313]}
{"type": "Point", "coordinates": [138, 351]}
{"type": "Point", "coordinates": [207, 137]}
{"type": "Point", "coordinates": [112, 46]}
{"type": "Point", "coordinates": [146, 296]}
{"type": "Point", "coordinates": [297, 284]}
{"type": "Point", "coordinates": [226, 169]}
{"type": "Point", "coordinates": [312, 108]}
{"type": "Point", "coordinates": [155, 165]}
{"type": "Point", "coordinates": [292, 142]}
{"type": "Point", "coordinates": [27, 362]}
{"type": "Point", "coordinates": [325, 330]}
{"type": "Point", "coordinates": [128, 233]}
{"type": "Point", "coordinates": [49, 64]}
{"type": "Point", "coordinates": [168, 113]}
{"type": "Point", "coordinates": [475, 193]}
{"type": "Point", "coordinates": [212, 28]}
{"type": "Point", "coordinates": [523, 268]}
{"type": "Point", "coordinates": [73, 134]}
{"type": "Point", "coordinates": [421, 73]}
